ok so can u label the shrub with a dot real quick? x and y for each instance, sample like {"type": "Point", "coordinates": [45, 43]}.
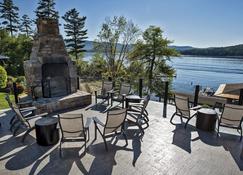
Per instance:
{"type": "Point", "coordinates": [3, 77]}
{"type": "Point", "coordinates": [21, 80]}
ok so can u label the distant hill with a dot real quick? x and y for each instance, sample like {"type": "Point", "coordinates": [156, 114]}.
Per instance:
{"type": "Point", "coordinates": [182, 48]}
{"type": "Point", "coordinates": [89, 47]}
{"type": "Point", "coordinates": [230, 51]}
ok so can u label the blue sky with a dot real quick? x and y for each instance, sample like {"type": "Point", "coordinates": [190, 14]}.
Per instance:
{"type": "Point", "coordinates": [198, 23]}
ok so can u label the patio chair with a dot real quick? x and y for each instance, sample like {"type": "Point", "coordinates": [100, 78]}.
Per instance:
{"type": "Point", "coordinates": [24, 122]}
{"type": "Point", "coordinates": [114, 124]}
{"type": "Point", "coordinates": [141, 109]}
{"type": "Point", "coordinates": [120, 96]}
{"type": "Point", "coordinates": [183, 110]}
{"type": "Point", "coordinates": [231, 117]}
{"type": "Point", "coordinates": [73, 129]}
{"type": "Point", "coordinates": [104, 92]}
{"type": "Point", "coordinates": [27, 111]}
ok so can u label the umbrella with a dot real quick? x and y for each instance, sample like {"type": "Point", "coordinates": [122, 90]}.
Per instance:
{"type": "Point", "coordinates": [231, 91]}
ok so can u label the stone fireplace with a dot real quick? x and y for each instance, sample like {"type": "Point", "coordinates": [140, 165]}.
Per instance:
{"type": "Point", "coordinates": [50, 72]}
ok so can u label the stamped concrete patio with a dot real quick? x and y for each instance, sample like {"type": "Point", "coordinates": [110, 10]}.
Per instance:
{"type": "Point", "coordinates": [164, 149]}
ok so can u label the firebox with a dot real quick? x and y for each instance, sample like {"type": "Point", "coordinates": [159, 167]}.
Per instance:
{"type": "Point", "coordinates": [55, 80]}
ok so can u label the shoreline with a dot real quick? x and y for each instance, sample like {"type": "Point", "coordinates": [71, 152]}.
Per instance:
{"type": "Point", "coordinates": [208, 56]}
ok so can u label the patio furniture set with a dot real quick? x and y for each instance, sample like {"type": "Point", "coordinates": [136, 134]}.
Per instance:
{"type": "Point", "coordinates": [231, 116]}
{"type": "Point", "coordinates": [72, 125]}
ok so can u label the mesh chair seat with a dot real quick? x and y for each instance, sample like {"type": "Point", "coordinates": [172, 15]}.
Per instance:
{"type": "Point", "coordinates": [231, 117]}
{"type": "Point", "coordinates": [182, 109]}
{"type": "Point", "coordinates": [73, 128]}
{"type": "Point", "coordinates": [121, 95]}
{"type": "Point", "coordinates": [114, 124]}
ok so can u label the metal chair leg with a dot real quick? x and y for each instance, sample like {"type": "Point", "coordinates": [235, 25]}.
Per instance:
{"type": "Point", "coordinates": [240, 134]}
{"type": "Point", "coordinates": [106, 147]}
{"type": "Point", "coordinates": [172, 118]}
{"type": "Point", "coordinates": [13, 124]}
{"type": "Point", "coordinates": [16, 129]}
{"type": "Point", "coordinates": [26, 133]}
{"type": "Point", "coordinates": [12, 120]}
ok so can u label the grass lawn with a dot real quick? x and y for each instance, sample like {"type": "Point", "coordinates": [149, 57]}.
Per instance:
{"type": "Point", "coordinates": [3, 102]}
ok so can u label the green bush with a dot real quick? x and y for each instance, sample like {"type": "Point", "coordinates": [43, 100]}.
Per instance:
{"type": "Point", "coordinates": [21, 80]}
{"type": "Point", "coordinates": [3, 77]}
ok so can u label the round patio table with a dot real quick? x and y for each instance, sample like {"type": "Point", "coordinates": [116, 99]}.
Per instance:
{"type": "Point", "coordinates": [132, 99]}
{"type": "Point", "coordinates": [206, 119]}
{"type": "Point", "coordinates": [46, 131]}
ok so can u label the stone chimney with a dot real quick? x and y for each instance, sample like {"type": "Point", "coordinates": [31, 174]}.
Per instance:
{"type": "Point", "coordinates": [50, 72]}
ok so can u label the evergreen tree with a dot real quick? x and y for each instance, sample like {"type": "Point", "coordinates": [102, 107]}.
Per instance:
{"type": "Point", "coordinates": [26, 25]}
{"type": "Point", "coordinates": [9, 14]}
{"type": "Point", "coordinates": [153, 51]}
{"type": "Point", "coordinates": [46, 9]}
{"type": "Point", "coordinates": [75, 32]}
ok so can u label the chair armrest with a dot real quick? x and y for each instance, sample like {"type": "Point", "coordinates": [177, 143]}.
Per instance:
{"type": "Point", "coordinates": [36, 116]}
{"type": "Point", "coordinates": [96, 120]}
{"type": "Point", "coordinates": [112, 91]}
{"type": "Point", "coordinates": [88, 122]}
{"type": "Point", "coordinates": [27, 109]}
{"type": "Point", "coordinates": [196, 107]}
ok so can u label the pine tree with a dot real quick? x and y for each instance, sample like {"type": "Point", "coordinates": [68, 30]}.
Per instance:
{"type": "Point", "coordinates": [26, 25]}
{"type": "Point", "coordinates": [75, 32]}
{"type": "Point", "coordinates": [9, 14]}
{"type": "Point", "coordinates": [46, 10]}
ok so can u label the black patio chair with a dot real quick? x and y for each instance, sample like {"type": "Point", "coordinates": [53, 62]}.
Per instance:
{"type": "Point", "coordinates": [24, 122]}
{"type": "Point", "coordinates": [231, 117]}
{"type": "Point", "coordinates": [107, 86]}
{"type": "Point", "coordinates": [73, 129]}
{"type": "Point", "coordinates": [114, 125]}
{"type": "Point", "coordinates": [120, 95]}
{"type": "Point", "coordinates": [27, 111]}
{"type": "Point", "coordinates": [183, 110]}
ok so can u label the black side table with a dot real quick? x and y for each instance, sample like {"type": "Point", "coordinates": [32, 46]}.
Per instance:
{"type": "Point", "coordinates": [206, 119]}
{"type": "Point", "coordinates": [132, 99]}
{"type": "Point", "coordinates": [46, 131]}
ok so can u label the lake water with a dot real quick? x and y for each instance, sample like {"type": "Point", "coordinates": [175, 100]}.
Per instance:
{"type": "Point", "coordinates": [205, 71]}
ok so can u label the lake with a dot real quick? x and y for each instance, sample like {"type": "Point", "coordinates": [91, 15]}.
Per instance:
{"type": "Point", "coordinates": [205, 71]}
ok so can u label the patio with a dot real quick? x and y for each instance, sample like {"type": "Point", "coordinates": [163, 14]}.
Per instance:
{"type": "Point", "coordinates": [164, 149]}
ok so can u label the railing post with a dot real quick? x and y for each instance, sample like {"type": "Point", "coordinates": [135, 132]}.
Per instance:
{"type": "Point", "coordinates": [165, 99]}
{"type": "Point", "coordinates": [78, 83]}
{"type": "Point", "coordinates": [140, 87]}
{"type": "Point", "coordinates": [241, 97]}
{"type": "Point", "coordinates": [15, 92]}
{"type": "Point", "coordinates": [197, 88]}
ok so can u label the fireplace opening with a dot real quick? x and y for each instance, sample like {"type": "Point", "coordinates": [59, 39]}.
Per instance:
{"type": "Point", "coordinates": [55, 80]}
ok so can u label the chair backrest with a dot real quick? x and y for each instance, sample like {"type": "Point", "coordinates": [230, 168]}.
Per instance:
{"type": "Point", "coordinates": [182, 105]}
{"type": "Point", "coordinates": [20, 117]}
{"type": "Point", "coordinates": [106, 86]}
{"type": "Point", "coordinates": [125, 89]}
{"type": "Point", "coordinates": [115, 120]}
{"type": "Point", "coordinates": [232, 114]}
{"type": "Point", "coordinates": [71, 125]}
{"type": "Point", "coordinates": [145, 103]}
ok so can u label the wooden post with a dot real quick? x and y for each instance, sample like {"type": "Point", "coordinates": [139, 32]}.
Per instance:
{"type": "Point", "coordinates": [197, 88]}
{"type": "Point", "coordinates": [15, 92]}
{"type": "Point", "coordinates": [165, 99]}
{"type": "Point", "coordinates": [140, 88]}
{"type": "Point", "coordinates": [241, 97]}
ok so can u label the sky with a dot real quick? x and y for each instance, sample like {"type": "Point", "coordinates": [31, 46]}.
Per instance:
{"type": "Point", "coordinates": [197, 23]}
